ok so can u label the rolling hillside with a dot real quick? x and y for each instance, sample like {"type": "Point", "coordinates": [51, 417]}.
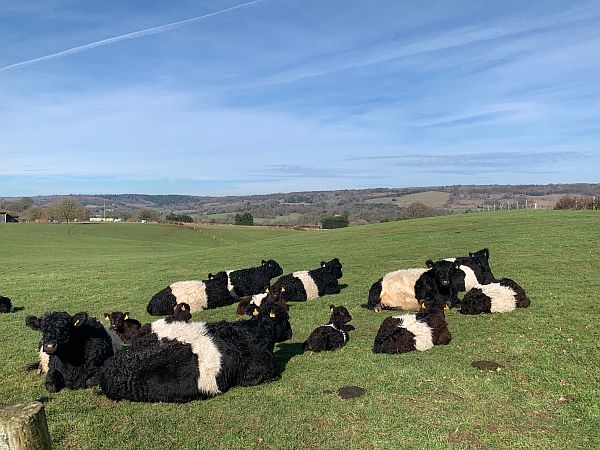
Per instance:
{"type": "Point", "coordinates": [545, 396]}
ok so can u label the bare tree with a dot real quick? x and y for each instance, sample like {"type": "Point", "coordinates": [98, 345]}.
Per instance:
{"type": "Point", "coordinates": [66, 210]}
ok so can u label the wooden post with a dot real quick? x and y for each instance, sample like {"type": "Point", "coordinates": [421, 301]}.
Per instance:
{"type": "Point", "coordinates": [23, 427]}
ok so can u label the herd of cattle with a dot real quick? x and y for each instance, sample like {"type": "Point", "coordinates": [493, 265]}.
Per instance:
{"type": "Point", "coordinates": [176, 360]}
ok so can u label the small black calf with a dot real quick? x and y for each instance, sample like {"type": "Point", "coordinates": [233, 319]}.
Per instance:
{"type": "Point", "coordinates": [332, 335]}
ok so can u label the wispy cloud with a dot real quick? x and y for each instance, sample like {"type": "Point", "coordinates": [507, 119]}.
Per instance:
{"type": "Point", "coordinates": [448, 39]}
{"type": "Point", "coordinates": [492, 160]}
{"type": "Point", "coordinates": [123, 37]}
{"type": "Point", "coordinates": [287, 171]}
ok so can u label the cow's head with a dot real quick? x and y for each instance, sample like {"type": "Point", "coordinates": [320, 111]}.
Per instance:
{"type": "Point", "coordinates": [116, 320]}
{"type": "Point", "coordinates": [219, 276]}
{"type": "Point", "coordinates": [57, 329]}
{"type": "Point", "coordinates": [340, 312]}
{"type": "Point", "coordinates": [272, 267]}
{"type": "Point", "coordinates": [482, 259]}
{"type": "Point", "coordinates": [334, 267]}
{"type": "Point", "coordinates": [443, 272]}
{"type": "Point", "coordinates": [182, 312]}
{"type": "Point", "coordinates": [276, 316]}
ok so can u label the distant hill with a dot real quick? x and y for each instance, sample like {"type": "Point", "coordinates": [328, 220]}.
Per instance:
{"type": "Point", "coordinates": [307, 208]}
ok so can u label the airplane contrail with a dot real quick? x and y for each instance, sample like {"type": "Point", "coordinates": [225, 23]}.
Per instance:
{"type": "Point", "coordinates": [124, 37]}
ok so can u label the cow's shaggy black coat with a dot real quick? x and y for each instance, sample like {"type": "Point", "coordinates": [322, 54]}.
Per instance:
{"type": "Point", "coordinates": [78, 346]}
{"type": "Point", "coordinates": [311, 284]}
{"type": "Point", "coordinates": [5, 304]}
{"type": "Point", "coordinates": [418, 331]}
{"type": "Point", "coordinates": [439, 282]}
{"type": "Point", "coordinates": [196, 360]}
{"type": "Point", "coordinates": [124, 326]}
{"type": "Point", "coordinates": [254, 280]}
{"type": "Point", "coordinates": [205, 294]}
{"type": "Point", "coordinates": [332, 335]}
{"type": "Point", "coordinates": [503, 296]}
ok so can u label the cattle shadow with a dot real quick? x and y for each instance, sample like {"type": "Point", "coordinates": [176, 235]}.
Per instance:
{"type": "Point", "coordinates": [18, 308]}
{"type": "Point", "coordinates": [342, 286]}
{"type": "Point", "coordinates": [285, 353]}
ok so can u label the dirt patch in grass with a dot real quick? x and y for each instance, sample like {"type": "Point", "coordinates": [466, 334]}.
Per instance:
{"type": "Point", "coordinates": [487, 366]}
{"type": "Point", "coordinates": [350, 392]}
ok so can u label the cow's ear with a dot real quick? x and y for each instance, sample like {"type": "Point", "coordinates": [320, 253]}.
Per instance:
{"type": "Point", "coordinates": [429, 263]}
{"type": "Point", "coordinates": [263, 263]}
{"type": "Point", "coordinates": [323, 263]}
{"type": "Point", "coordinates": [486, 252]}
{"type": "Point", "coordinates": [32, 322]}
{"type": "Point", "coordinates": [79, 319]}
{"type": "Point", "coordinates": [331, 308]}
{"type": "Point", "coordinates": [106, 316]}
{"type": "Point", "coordinates": [210, 276]}
{"type": "Point", "coordinates": [253, 312]}
{"type": "Point", "coordinates": [125, 315]}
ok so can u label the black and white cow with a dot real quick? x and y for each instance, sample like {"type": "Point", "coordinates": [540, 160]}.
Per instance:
{"type": "Point", "coordinates": [310, 284]}
{"type": "Point", "coordinates": [5, 304]}
{"type": "Point", "coordinates": [418, 331]}
{"type": "Point", "coordinates": [77, 347]}
{"type": "Point", "coordinates": [333, 334]}
{"type": "Point", "coordinates": [199, 294]}
{"type": "Point", "coordinates": [395, 290]}
{"type": "Point", "coordinates": [502, 296]}
{"type": "Point", "coordinates": [254, 280]}
{"type": "Point", "coordinates": [179, 362]}
{"type": "Point", "coordinates": [476, 269]}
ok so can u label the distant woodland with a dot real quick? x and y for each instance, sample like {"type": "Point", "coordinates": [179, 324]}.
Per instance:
{"type": "Point", "coordinates": [306, 208]}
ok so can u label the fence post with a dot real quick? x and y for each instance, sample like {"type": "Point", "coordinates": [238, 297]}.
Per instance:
{"type": "Point", "coordinates": [23, 427]}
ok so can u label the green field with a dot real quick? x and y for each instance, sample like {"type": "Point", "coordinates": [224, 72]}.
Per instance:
{"type": "Point", "coordinates": [546, 395]}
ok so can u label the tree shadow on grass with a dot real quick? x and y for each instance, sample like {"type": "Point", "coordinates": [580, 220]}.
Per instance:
{"type": "Point", "coordinates": [285, 352]}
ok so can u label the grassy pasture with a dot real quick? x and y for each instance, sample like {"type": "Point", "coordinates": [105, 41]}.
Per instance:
{"type": "Point", "coordinates": [546, 395]}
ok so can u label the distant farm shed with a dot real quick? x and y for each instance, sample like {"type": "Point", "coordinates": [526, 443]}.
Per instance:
{"type": "Point", "coordinates": [6, 217]}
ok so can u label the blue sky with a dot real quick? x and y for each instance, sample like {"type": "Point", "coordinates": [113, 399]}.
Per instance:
{"type": "Point", "coordinates": [288, 95]}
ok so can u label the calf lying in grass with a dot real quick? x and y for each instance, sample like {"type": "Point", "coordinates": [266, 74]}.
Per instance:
{"type": "Point", "coordinates": [77, 347]}
{"type": "Point", "coordinates": [275, 294]}
{"type": "Point", "coordinates": [395, 290]}
{"type": "Point", "coordinates": [253, 280]}
{"type": "Point", "coordinates": [332, 335]}
{"type": "Point", "coordinates": [418, 331]}
{"type": "Point", "coordinates": [125, 327]}
{"type": "Point", "coordinates": [179, 362]}
{"type": "Point", "coordinates": [406, 288]}
{"type": "Point", "coordinates": [503, 296]}
{"type": "Point", "coordinates": [205, 294]}
{"type": "Point", "coordinates": [311, 284]}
